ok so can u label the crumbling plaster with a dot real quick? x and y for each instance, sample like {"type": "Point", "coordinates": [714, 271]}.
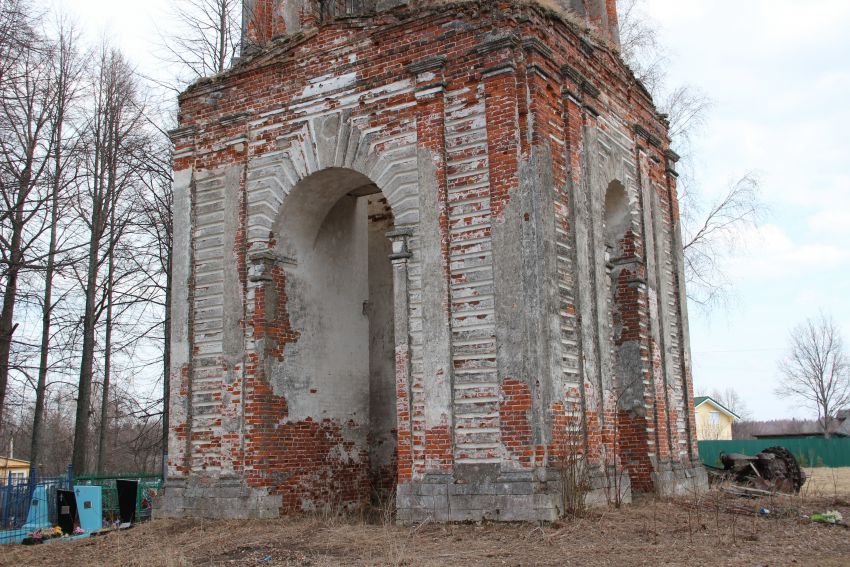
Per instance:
{"type": "Point", "coordinates": [493, 146]}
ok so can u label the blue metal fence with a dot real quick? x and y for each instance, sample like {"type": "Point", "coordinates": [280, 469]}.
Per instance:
{"type": "Point", "coordinates": [16, 497]}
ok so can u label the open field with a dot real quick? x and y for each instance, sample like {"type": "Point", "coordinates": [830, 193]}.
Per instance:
{"type": "Point", "coordinates": [827, 482]}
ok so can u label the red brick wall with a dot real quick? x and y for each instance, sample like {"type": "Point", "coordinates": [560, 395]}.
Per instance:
{"type": "Point", "coordinates": [533, 103]}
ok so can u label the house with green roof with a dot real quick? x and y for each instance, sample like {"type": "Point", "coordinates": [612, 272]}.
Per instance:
{"type": "Point", "coordinates": [713, 419]}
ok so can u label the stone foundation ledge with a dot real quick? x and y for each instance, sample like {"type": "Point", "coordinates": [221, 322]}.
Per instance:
{"type": "Point", "coordinates": [604, 488]}
{"type": "Point", "coordinates": [514, 497]}
{"type": "Point", "coordinates": [221, 499]}
{"type": "Point", "coordinates": [676, 479]}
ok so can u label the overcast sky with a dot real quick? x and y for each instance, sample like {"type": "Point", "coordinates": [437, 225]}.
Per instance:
{"type": "Point", "coordinates": [778, 72]}
{"type": "Point", "coordinates": [779, 75]}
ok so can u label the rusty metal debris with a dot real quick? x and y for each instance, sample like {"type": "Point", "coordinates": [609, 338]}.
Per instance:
{"type": "Point", "coordinates": [773, 470]}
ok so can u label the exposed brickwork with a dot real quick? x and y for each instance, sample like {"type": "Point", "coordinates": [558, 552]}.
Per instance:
{"type": "Point", "coordinates": [276, 327]}
{"type": "Point", "coordinates": [515, 416]}
{"type": "Point", "coordinates": [483, 125]}
{"type": "Point", "coordinates": [404, 448]}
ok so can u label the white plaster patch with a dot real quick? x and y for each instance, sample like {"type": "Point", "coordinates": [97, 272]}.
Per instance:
{"type": "Point", "coordinates": [338, 454]}
{"type": "Point", "coordinates": [328, 83]}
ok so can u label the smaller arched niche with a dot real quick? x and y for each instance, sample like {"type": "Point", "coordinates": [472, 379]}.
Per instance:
{"type": "Point", "coordinates": [622, 306]}
{"type": "Point", "coordinates": [618, 220]}
{"type": "Point", "coordinates": [623, 295]}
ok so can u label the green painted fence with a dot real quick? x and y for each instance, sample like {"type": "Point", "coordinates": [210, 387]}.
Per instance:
{"type": "Point", "coordinates": [810, 451]}
{"type": "Point", "coordinates": [149, 487]}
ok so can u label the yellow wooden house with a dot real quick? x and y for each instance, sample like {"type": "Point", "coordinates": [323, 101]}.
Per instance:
{"type": "Point", "coordinates": [19, 470]}
{"type": "Point", "coordinates": [714, 420]}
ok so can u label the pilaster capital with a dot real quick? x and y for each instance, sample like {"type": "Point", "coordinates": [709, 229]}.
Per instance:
{"type": "Point", "coordinates": [400, 240]}
{"type": "Point", "coordinates": [263, 262]}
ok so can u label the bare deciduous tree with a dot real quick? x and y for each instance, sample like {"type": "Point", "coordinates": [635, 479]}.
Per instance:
{"type": "Point", "coordinates": [711, 228]}
{"type": "Point", "coordinates": [205, 39]}
{"type": "Point", "coordinates": [732, 400]}
{"type": "Point", "coordinates": [16, 33]}
{"type": "Point", "coordinates": [84, 250]}
{"type": "Point", "coordinates": [108, 345]}
{"type": "Point", "coordinates": [114, 142]}
{"type": "Point", "coordinates": [156, 222]}
{"type": "Point", "coordinates": [712, 232]}
{"type": "Point", "coordinates": [639, 44]}
{"type": "Point", "coordinates": [66, 74]}
{"type": "Point", "coordinates": [816, 370]}
{"type": "Point", "coordinates": [27, 108]}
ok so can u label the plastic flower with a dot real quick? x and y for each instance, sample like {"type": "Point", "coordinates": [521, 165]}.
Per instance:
{"type": "Point", "coordinates": [829, 517]}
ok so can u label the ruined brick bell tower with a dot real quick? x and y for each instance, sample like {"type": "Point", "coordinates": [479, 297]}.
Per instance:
{"type": "Point", "coordinates": [427, 250]}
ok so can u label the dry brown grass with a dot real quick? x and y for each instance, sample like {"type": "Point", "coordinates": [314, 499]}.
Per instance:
{"type": "Point", "coordinates": [715, 529]}
{"type": "Point", "coordinates": [828, 482]}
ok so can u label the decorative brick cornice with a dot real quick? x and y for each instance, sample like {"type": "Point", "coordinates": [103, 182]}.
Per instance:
{"type": "Point", "coordinates": [591, 109]}
{"type": "Point", "coordinates": [672, 159]}
{"type": "Point", "coordinates": [650, 138]}
{"type": "Point", "coordinates": [534, 44]}
{"type": "Point", "coordinates": [571, 73]}
{"type": "Point", "coordinates": [590, 88]}
{"type": "Point", "coordinates": [429, 64]}
{"type": "Point", "coordinates": [569, 94]}
{"type": "Point", "coordinates": [233, 118]}
{"type": "Point", "coordinates": [427, 90]}
{"type": "Point", "coordinates": [182, 133]}
{"type": "Point", "coordinates": [498, 69]}
{"type": "Point", "coordinates": [538, 70]}
{"type": "Point", "coordinates": [496, 42]}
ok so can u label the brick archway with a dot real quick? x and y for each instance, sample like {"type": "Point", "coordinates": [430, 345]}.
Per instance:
{"type": "Point", "coordinates": [331, 307]}
{"type": "Point", "coordinates": [331, 141]}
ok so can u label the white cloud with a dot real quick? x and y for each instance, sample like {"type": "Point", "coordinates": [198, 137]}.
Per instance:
{"type": "Point", "coordinates": [786, 24]}
{"type": "Point", "coordinates": [833, 223]}
{"type": "Point", "coordinates": [809, 299]}
{"type": "Point", "coordinates": [772, 255]}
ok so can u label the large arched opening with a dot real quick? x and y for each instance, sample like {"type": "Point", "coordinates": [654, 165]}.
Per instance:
{"type": "Point", "coordinates": [339, 371]}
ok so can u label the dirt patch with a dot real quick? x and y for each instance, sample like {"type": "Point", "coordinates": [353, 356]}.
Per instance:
{"type": "Point", "coordinates": [716, 529]}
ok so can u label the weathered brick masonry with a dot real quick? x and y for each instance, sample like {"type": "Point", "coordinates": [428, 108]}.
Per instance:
{"type": "Point", "coordinates": [430, 248]}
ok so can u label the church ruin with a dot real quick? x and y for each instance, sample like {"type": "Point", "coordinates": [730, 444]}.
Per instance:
{"type": "Point", "coordinates": [427, 251]}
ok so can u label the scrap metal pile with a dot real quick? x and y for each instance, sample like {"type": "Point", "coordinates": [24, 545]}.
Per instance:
{"type": "Point", "coordinates": [774, 469]}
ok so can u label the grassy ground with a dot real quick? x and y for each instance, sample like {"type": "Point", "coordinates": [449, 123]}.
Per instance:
{"type": "Point", "coordinates": [715, 529]}
{"type": "Point", "coordinates": [828, 482]}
